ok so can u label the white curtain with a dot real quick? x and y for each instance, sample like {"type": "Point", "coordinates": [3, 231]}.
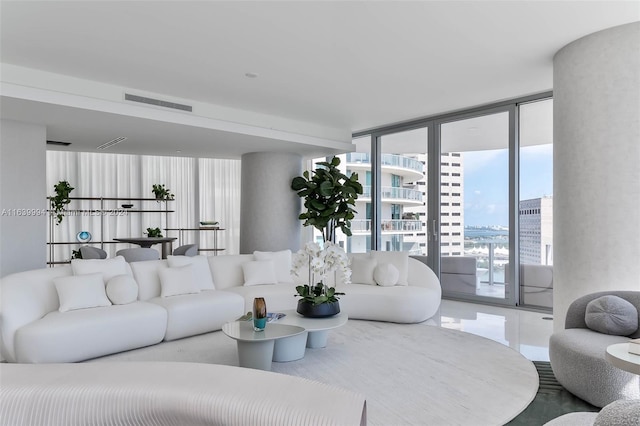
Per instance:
{"type": "Point", "coordinates": [200, 188]}
{"type": "Point", "coordinates": [220, 201]}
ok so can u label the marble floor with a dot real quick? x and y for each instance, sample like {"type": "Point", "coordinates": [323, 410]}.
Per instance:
{"type": "Point", "coordinates": [525, 331]}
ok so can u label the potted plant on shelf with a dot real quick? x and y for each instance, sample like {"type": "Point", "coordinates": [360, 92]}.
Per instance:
{"type": "Point", "coordinates": [59, 201]}
{"type": "Point", "coordinates": [161, 193]}
{"type": "Point", "coordinates": [329, 197]}
{"type": "Point", "coordinates": [154, 233]}
{"type": "Point", "coordinates": [317, 298]}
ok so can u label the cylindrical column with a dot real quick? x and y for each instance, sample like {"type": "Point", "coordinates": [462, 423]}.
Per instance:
{"type": "Point", "coordinates": [596, 165]}
{"type": "Point", "coordinates": [269, 207]}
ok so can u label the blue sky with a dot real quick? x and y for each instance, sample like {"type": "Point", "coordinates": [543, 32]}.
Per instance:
{"type": "Point", "coordinates": [486, 182]}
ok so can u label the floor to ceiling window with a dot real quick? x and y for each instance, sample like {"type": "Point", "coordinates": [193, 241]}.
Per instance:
{"type": "Point", "coordinates": [536, 203]}
{"type": "Point", "coordinates": [457, 187]}
{"type": "Point", "coordinates": [474, 199]}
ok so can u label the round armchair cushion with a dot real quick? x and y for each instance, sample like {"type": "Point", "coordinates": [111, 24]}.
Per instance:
{"type": "Point", "coordinates": [611, 315]}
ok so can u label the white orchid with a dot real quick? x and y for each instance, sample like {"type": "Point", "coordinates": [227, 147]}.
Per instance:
{"type": "Point", "coordinates": [321, 262]}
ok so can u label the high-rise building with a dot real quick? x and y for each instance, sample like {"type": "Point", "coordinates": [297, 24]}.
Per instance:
{"type": "Point", "coordinates": [536, 231]}
{"type": "Point", "coordinates": [404, 210]}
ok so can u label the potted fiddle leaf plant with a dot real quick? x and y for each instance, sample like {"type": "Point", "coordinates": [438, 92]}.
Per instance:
{"type": "Point", "coordinates": [59, 201]}
{"type": "Point", "coordinates": [329, 198]}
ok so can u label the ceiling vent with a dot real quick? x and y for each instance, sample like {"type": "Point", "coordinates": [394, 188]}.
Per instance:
{"type": "Point", "coordinates": [57, 143]}
{"type": "Point", "coordinates": [157, 102]}
{"type": "Point", "coordinates": [112, 142]}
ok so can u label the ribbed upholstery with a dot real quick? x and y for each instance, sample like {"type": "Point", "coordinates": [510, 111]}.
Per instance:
{"type": "Point", "coordinates": [169, 393]}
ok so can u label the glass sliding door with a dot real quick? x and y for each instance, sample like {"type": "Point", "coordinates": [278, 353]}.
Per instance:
{"type": "Point", "coordinates": [475, 231]}
{"type": "Point", "coordinates": [403, 191]}
{"type": "Point", "coordinates": [536, 203]}
{"type": "Point", "coordinates": [360, 162]}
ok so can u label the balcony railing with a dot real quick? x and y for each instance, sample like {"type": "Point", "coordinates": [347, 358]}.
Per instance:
{"type": "Point", "coordinates": [391, 160]}
{"type": "Point", "coordinates": [391, 225]}
{"type": "Point", "coordinates": [395, 193]}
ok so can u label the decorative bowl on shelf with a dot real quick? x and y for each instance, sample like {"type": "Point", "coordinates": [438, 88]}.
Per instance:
{"type": "Point", "coordinates": [208, 222]}
{"type": "Point", "coordinates": [127, 206]}
{"type": "Point", "coordinates": [83, 236]}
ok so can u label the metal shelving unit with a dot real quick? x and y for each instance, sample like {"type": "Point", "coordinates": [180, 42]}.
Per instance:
{"type": "Point", "coordinates": [101, 210]}
{"type": "Point", "coordinates": [216, 229]}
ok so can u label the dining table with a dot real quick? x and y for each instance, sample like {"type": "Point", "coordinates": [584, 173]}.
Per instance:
{"type": "Point", "coordinates": [147, 242]}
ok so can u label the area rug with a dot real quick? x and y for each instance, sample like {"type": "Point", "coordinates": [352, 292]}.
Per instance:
{"type": "Point", "coordinates": [551, 401]}
{"type": "Point", "coordinates": [410, 374]}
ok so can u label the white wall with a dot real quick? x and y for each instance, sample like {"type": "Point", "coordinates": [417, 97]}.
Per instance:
{"type": "Point", "coordinates": [23, 219]}
{"type": "Point", "coordinates": [269, 208]}
{"type": "Point", "coordinates": [596, 170]}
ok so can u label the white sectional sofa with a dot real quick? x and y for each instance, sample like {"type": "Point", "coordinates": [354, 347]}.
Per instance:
{"type": "Point", "coordinates": [162, 300]}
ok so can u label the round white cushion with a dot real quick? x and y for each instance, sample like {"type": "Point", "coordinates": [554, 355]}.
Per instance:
{"type": "Point", "coordinates": [386, 274]}
{"type": "Point", "coordinates": [122, 289]}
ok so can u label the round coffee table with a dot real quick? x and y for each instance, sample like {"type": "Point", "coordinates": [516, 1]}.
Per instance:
{"type": "Point", "coordinates": [256, 348]}
{"type": "Point", "coordinates": [318, 328]}
{"type": "Point", "coordinates": [620, 357]}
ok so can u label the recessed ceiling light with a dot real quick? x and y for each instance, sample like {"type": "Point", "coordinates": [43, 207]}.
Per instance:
{"type": "Point", "coordinates": [251, 75]}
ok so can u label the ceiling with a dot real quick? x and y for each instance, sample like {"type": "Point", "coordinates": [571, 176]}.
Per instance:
{"type": "Point", "coordinates": [348, 66]}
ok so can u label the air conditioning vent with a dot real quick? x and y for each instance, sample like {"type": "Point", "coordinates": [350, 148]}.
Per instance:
{"type": "Point", "coordinates": [112, 142]}
{"type": "Point", "coordinates": [58, 143]}
{"type": "Point", "coordinates": [157, 102]}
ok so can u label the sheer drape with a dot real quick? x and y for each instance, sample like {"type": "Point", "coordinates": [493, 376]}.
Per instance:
{"type": "Point", "coordinates": [200, 188]}
{"type": "Point", "coordinates": [220, 200]}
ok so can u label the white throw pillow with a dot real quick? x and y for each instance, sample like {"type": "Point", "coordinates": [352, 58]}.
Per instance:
{"type": "Point", "coordinates": [81, 291]}
{"type": "Point", "coordinates": [399, 259]}
{"type": "Point", "coordinates": [176, 281]}
{"type": "Point", "coordinates": [281, 263]}
{"type": "Point", "coordinates": [109, 268]}
{"type": "Point", "coordinates": [259, 272]}
{"type": "Point", "coordinates": [201, 271]}
{"type": "Point", "coordinates": [362, 270]}
{"type": "Point", "coordinates": [122, 290]}
{"type": "Point", "coordinates": [386, 274]}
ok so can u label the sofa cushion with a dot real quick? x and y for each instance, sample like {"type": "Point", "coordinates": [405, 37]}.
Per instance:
{"type": "Point", "coordinates": [122, 289]}
{"type": "Point", "coordinates": [201, 271]}
{"type": "Point", "coordinates": [146, 274]}
{"type": "Point", "coordinates": [88, 333]}
{"type": "Point", "coordinates": [611, 315]}
{"type": "Point", "coordinates": [176, 281]}
{"type": "Point", "coordinates": [362, 269]}
{"type": "Point", "coordinates": [281, 262]}
{"type": "Point", "coordinates": [386, 274]}
{"type": "Point", "coordinates": [192, 314]}
{"type": "Point", "coordinates": [227, 270]}
{"type": "Point", "coordinates": [399, 259]}
{"type": "Point", "coordinates": [258, 272]}
{"type": "Point", "coordinates": [81, 291]}
{"type": "Point", "coordinates": [109, 268]}
{"type": "Point", "coordinates": [402, 304]}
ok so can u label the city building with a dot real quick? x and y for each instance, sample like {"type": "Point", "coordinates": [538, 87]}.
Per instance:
{"type": "Point", "coordinates": [536, 231]}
